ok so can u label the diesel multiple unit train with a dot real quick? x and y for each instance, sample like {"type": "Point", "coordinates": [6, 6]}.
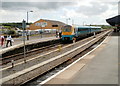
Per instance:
{"type": "Point", "coordinates": [70, 33]}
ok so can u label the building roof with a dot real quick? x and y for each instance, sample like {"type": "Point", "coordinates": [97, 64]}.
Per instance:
{"type": "Point", "coordinates": [114, 20]}
{"type": "Point", "coordinates": [54, 22]}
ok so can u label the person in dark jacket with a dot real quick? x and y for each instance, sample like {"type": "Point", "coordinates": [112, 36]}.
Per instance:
{"type": "Point", "coordinates": [60, 34]}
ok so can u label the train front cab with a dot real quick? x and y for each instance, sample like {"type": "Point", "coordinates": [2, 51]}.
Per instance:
{"type": "Point", "coordinates": [67, 37]}
{"type": "Point", "coordinates": [67, 33]}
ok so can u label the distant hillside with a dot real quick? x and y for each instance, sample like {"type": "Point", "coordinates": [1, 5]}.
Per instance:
{"type": "Point", "coordinates": [11, 25]}
{"type": "Point", "coordinates": [103, 26]}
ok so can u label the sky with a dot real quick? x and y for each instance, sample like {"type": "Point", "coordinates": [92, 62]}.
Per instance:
{"type": "Point", "coordinates": [79, 12]}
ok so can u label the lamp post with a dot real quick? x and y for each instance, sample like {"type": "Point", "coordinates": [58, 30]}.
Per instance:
{"type": "Point", "coordinates": [83, 23]}
{"type": "Point", "coordinates": [119, 14]}
{"type": "Point", "coordinates": [72, 22]}
{"type": "Point", "coordinates": [27, 24]}
{"type": "Point", "coordinates": [118, 7]}
{"type": "Point", "coordinates": [67, 20]}
{"type": "Point", "coordinates": [24, 26]}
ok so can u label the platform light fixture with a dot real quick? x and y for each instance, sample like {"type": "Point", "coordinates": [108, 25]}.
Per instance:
{"type": "Point", "coordinates": [67, 20]}
{"type": "Point", "coordinates": [27, 24]}
{"type": "Point", "coordinates": [119, 7]}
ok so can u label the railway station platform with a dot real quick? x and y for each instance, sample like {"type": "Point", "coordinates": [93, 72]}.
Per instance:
{"type": "Point", "coordinates": [32, 40]}
{"type": "Point", "coordinates": [99, 66]}
{"type": "Point", "coordinates": [18, 42]}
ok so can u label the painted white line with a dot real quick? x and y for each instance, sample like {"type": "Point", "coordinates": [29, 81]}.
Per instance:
{"type": "Point", "coordinates": [45, 62]}
{"type": "Point", "coordinates": [38, 65]}
{"type": "Point", "coordinates": [45, 81]}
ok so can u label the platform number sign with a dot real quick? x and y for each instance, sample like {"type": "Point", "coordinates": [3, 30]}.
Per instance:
{"type": "Point", "coordinates": [23, 24]}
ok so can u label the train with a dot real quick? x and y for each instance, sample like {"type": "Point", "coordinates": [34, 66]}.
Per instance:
{"type": "Point", "coordinates": [71, 33]}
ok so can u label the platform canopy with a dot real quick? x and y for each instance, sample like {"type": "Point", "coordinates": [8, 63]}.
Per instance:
{"type": "Point", "coordinates": [114, 20]}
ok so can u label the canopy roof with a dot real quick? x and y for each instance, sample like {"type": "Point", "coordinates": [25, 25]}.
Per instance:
{"type": "Point", "coordinates": [114, 20]}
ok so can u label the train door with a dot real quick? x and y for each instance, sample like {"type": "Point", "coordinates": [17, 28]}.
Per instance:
{"type": "Point", "coordinates": [76, 31]}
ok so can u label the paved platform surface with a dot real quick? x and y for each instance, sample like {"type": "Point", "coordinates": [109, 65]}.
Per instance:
{"type": "Point", "coordinates": [98, 67]}
{"type": "Point", "coordinates": [19, 42]}
{"type": "Point", "coordinates": [31, 39]}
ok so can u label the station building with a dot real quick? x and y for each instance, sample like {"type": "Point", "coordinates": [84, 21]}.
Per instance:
{"type": "Point", "coordinates": [46, 24]}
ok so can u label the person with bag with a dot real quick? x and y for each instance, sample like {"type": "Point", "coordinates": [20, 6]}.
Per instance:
{"type": "Point", "coordinates": [9, 40]}
{"type": "Point", "coordinates": [2, 40]}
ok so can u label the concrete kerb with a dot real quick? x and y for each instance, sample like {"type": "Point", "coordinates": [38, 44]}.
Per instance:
{"type": "Point", "coordinates": [53, 76]}
{"type": "Point", "coordinates": [20, 46]}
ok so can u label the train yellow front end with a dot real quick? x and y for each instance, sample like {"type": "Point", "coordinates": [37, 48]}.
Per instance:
{"type": "Point", "coordinates": [67, 33]}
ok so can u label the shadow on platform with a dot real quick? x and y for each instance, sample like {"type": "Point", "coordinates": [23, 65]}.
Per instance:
{"type": "Point", "coordinates": [115, 34]}
{"type": "Point", "coordinates": [80, 85]}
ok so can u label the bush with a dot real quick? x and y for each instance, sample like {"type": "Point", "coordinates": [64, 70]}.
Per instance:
{"type": "Point", "coordinates": [11, 32]}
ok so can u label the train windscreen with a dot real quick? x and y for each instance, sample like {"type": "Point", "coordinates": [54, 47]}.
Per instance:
{"type": "Point", "coordinates": [66, 29]}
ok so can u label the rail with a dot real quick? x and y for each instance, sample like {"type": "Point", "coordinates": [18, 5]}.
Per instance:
{"type": "Point", "coordinates": [27, 74]}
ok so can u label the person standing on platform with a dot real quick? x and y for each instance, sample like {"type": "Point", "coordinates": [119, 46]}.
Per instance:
{"type": "Point", "coordinates": [2, 40]}
{"type": "Point", "coordinates": [56, 34]}
{"type": "Point", "coordinates": [9, 40]}
{"type": "Point", "coordinates": [60, 34]}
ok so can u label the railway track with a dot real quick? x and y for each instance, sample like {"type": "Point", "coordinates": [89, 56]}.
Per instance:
{"type": "Point", "coordinates": [46, 61]}
{"type": "Point", "coordinates": [36, 81]}
{"type": "Point", "coordinates": [36, 52]}
{"type": "Point", "coordinates": [29, 53]}
{"type": "Point", "coordinates": [32, 53]}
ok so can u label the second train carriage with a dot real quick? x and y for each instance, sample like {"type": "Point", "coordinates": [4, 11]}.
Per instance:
{"type": "Point", "coordinates": [70, 32]}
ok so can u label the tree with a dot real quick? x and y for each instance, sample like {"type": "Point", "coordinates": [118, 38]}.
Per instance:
{"type": "Point", "coordinates": [11, 32]}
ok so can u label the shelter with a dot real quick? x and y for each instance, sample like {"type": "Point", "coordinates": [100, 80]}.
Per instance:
{"type": "Point", "coordinates": [114, 21]}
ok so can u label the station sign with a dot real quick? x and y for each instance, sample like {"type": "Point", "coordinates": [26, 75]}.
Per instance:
{"type": "Point", "coordinates": [41, 24]}
{"type": "Point", "coordinates": [23, 24]}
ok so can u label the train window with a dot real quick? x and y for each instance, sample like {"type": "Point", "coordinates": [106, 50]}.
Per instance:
{"type": "Point", "coordinates": [82, 29]}
{"type": "Point", "coordinates": [94, 28]}
{"type": "Point", "coordinates": [66, 29]}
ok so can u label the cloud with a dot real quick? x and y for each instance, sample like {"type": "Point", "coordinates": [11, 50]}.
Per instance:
{"type": "Point", "coordinates": [80, 10]}
{"type": "Point", "coordinates": [34, 5]}
{"type": "Point", "coordinates": [40, 0]}
{"type": "Point", "coordinates": [94, 8]}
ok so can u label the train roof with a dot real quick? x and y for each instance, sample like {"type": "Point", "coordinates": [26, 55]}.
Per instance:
{"type": "Point", "coordinates": [95, 27]}
{"type": "Point", "coordinates": [87, 27]}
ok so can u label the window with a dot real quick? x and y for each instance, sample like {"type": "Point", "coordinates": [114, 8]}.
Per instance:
{"type": "Point", "coordinates": [54, 25]}
{"type": "Point", "coordinates": [82, 29]}
{"type": "Point", "coordinates": [37, 24]}
{"type": "Point", "coordinates": [66, 29]}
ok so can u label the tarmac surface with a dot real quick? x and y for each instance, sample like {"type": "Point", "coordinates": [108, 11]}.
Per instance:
{"type": "Point", "coordinates": [101, 66]}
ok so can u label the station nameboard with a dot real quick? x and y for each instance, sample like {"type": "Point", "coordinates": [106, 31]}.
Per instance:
{"type": "Point", "coordinates": [42, 24]}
